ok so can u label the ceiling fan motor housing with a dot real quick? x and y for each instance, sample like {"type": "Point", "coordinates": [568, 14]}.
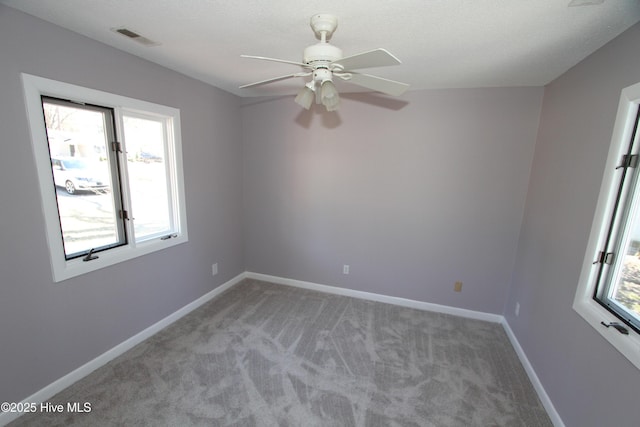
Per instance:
{"type": "Point", "coordinates": [320, 55]}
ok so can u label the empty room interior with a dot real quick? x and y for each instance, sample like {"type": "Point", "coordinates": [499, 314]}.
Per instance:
{"type": "Point", "coordinates": [405, 229]}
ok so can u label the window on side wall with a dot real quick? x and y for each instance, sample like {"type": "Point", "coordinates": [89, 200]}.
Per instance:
{"type": "Point", "coordinates": [110, 173]}
{"type": "Point", "coordinates": [608, 294]}
{"type": "Point", "coordinates": [617, 286]}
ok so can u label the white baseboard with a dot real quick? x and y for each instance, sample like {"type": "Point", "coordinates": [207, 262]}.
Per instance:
{"type": "Point", "coordinates": [57, 386]}
{"type": "Point", "coordinates": [461, 312]}
{"type": "Point", "coordinates": [533, 377]}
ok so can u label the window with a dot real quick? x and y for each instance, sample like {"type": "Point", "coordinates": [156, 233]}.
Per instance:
{"type": "Point", "coordinates": [84, 170]}
{"type": "Point", "coordinates": [110, 174]}
{"type": "Point", "coordinates": [617, 285]}
{"type": "Point", "coordinates": [608, 294]}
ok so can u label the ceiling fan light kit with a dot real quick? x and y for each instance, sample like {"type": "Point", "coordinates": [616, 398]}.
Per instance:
{"type": "Point", "coordinates": [305, 96]}
{"type": "Point", "coordinates": [323, 61]}
{"type": "Point", "coordinates": [329, 96]}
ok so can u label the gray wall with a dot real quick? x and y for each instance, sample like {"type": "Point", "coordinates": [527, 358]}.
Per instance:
{"type": "Point", "coordinates": [589, 382]}
{"type": "Point", "coordinates": [414, 194]}
{"type": "Point", "coordinates": [49, 329]}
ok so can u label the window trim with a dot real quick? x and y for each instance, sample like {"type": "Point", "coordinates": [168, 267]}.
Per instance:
{"type": "Point", "coordinates": [584, 303]}
{"type": "Point", "coordinates": [35, 87]}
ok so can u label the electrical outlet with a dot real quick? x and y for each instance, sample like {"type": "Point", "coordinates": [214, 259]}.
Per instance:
{"type": "Point", "coordinates": [517, 310]}
{"type": "Point", "coordinates": [214, 269]}
{"type": "Point", "coordinates": [345, 269]}
{"type": "Point", "coordinates": [457, 287]}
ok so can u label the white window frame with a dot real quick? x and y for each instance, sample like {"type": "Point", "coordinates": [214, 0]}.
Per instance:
{"type": "Point", "coordinates": [173, 191]}
{"type": "Point", "coordinates": [35, 87]}
{"type": "Point", "coordinates": [584, 304]}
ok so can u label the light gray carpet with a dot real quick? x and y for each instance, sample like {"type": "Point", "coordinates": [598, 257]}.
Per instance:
{"type": "Point", "coordinates": [269, 355]}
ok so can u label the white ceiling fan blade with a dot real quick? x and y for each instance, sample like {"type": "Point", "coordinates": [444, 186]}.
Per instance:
{"type": "Point", "coordinates": [275, 79]}
{"type": "Point", "coordinates": [379, 84]}
{"type": "Point", "coordinates": [373, 58]}
{"type": "Point", "coordinates": [284, 61]}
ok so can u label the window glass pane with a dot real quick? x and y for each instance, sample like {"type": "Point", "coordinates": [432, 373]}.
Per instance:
{"type": "Point", "coordinates": [145, 139]}
{"type": "Point", "coordinates": [78, 138]}
{"type": "Point", "coordinates": [624, 290]}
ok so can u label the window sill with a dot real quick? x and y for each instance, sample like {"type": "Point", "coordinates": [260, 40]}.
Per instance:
{"type": "Point", "coordinates": [76, 267]}
{"type": "Point", "coordinates": [593, 313]}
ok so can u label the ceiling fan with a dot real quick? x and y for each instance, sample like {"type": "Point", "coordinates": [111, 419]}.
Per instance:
{"type": "Point", "coordinates": [323, 61]}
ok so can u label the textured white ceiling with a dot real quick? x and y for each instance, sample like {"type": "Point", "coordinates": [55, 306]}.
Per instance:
{"type": "Point", "coordinates": [442, 43]}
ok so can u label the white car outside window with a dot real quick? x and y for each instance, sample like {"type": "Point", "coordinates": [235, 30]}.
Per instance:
{"type": "Point", "coordinates": [79, 174]}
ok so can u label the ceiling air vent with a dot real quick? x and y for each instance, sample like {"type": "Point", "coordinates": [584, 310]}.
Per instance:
{"type": "Point", "coordinates": [135, 36]}
{"type": "Point", "coordinates": [574, 3]}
